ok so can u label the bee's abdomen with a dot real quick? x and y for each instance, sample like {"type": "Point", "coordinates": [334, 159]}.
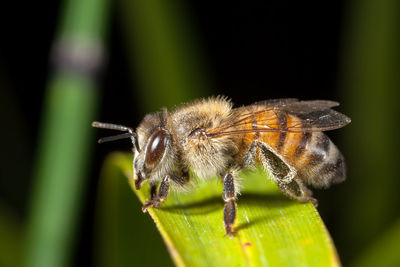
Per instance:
{"type": "Point", "coordinates": [319, 162]}
{"type": "Point", "coordinates": [314, 156]}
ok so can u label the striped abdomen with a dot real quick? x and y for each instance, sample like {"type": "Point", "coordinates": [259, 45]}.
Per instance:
{"type": "Point", "coordinates": [317, 160]}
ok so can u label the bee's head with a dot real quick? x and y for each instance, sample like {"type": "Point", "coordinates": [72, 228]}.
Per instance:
{"type": "Point", "coordinates": [153, 144]}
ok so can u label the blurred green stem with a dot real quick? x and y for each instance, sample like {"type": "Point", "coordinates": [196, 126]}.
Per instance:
{"type": "Point", "coordinates": [11, 232]}
{"type": "Point", "coordinates": [62, 156]}
{"type": "Point", "coordinates": [384, 251]}
{"type": "Point", "coordinates": [169, 65]}
{"type": "Point", "coordinates": [371, 69]}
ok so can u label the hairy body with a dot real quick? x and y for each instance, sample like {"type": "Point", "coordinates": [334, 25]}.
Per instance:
{"type": "Point", "coordinates": [283, 135]}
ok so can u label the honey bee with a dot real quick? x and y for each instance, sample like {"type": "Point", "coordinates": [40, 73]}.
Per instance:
{"type": "Point", "coordinates": [216, 140]}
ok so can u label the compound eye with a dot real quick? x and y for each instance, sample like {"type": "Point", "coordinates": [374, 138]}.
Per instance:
{"type": "Point", "coordinates": [155, 149]}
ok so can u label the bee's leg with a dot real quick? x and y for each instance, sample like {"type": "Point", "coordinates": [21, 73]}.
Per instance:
{"type": "Point", "coordinates": [153, 195]}
{"type": "Point", "coordinates": [180, 180]}
{"type": "Point", "coordinates": [157, 199]}
{"type": "Point", "coordinates": [280, 171]}
{"type": "Point", "coordinates": [153, 190]}
{"type": "Point", "coordinates": [229, 195]}
{"type": "Point", "coordinates": [249, 158]}
{"type": "Point", "coordinates": [298, 191]}
{"type": "Point", "coordinates": [285, 176]}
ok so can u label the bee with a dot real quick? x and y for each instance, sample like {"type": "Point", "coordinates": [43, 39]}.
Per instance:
{"type": "Point", "coordinates": [216, 140]}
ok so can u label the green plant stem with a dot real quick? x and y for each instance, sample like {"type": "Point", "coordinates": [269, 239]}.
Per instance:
{"type": "Point", "coordinates": [167, 61]}
{"type": "Point", "coordinates": [371, 84]}
{"type": "Point", "coordinates": [382, 252]}
{"type": "Point", "coordinates": [62, 156]}
{"type": "Point", "coordinates": [11, 232]}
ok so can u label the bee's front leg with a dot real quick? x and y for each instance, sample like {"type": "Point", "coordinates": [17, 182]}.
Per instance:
{"type": "Point", "coordinates": [229, 195]}
{"type": "Point", "coordinates": [153, 195]}
{"type": "Point", "coordinates": [157, 197]}
{"type": "Point", "coordinates": [153, 190]}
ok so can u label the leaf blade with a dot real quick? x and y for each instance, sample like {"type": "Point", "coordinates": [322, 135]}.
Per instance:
{"type": "Point", "coordinates": [271, 230]}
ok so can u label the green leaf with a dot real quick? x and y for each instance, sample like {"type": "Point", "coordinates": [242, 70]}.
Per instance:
{"type": "Point", "coordinates": [271, 229]}
{"type": "Point", "coordinates": [124, 236]}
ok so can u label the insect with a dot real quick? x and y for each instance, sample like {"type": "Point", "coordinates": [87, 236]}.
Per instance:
{"type": "Point", "coordinates": [214, 139]}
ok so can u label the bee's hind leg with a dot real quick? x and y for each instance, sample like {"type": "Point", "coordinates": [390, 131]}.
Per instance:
{"type": "Point", "coordinates": [298, 191]}
{"type": "Point", "coordinates": [229, 195]}
{"type": "Point", "coordinates": [285, 176]}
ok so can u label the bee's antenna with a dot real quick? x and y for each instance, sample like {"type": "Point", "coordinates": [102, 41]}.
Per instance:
{"type": "Point", "coordinates": [114, 138]}
{"type": "Point", "coordinates": [111, 126]}
{"type": "Point", "coordinates": [130, 133]}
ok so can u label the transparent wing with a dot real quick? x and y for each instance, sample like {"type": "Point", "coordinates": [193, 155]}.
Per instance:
{"type": "Point", "coordinates": [279, 102]}
{"type": "Point", "coordinates": [305, 107]}
{"type": "Point", "coordinates": [315, 116]}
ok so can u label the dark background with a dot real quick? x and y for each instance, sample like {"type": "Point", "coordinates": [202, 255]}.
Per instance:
{"type": "Point", "coordinates": [251, 51]}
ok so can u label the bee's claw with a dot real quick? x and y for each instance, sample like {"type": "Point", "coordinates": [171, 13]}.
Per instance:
{"type": "Point", "coordinates": [314, 201]}
{"type": "Point", "coordinates": [229, 232]}
{"type": "Point", "coordinates": [144, 208]}
{"type": "Point", "coordinates": [151, 204]}
{"type": "Point", "coordinates": [146, 205]}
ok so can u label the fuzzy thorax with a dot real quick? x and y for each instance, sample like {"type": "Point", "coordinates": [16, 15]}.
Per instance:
{"type": "Point", "coordinates": [208, 156]}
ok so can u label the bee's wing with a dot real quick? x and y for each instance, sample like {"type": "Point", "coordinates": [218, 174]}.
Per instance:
{"type": "Point", "coordinates": [315, 116]}
{"type": "Point", "coordinates": [279, 102]}
{"type": "Point", "coordinates": [304, 107]}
